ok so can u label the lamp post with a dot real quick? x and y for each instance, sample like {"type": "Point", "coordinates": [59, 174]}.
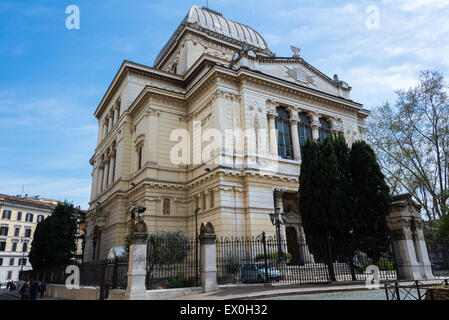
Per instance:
{"type": "Point", "coordinates": [22, 240]}
{"type": "Point", "coordinates": [277, 219]}
{"type": "Point", "coordinates": [94, 242]}
{"type": "Point", "coordinates": [196, 244]}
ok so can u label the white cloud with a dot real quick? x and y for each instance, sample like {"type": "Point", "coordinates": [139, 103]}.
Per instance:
{"type": "Point", "coordinates": [75, 190]}
{"type": "Point", "coordinates": [413, 35]}
{"type": "Point", "coordinates": [411, 5]}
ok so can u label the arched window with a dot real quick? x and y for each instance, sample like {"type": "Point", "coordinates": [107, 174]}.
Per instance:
{"type": "Point", "coordinates": [304, 130]}
{"type": "Point", "coordinates": [325, 129]}
{"type": "Point", "coordinates": [285, 145]}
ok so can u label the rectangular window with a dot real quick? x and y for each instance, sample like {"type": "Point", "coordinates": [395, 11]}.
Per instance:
{"type": "Point", "coordinates": [139, 158]}
{"type": "Point", "coordinates": [40, 218]}
{"type": "Point", "coordinates": [27, 232]}
{"type": "Point", "coordinates": [9, 275]}
{"type": "Point", "coordinates": [29, 217]}
{"type": "Point", "coordinates": [4, 230]}
{"type": "Point", "coordinates": [1, 261]}
{"type": "Point", "coordinates": [25, 247]}
{"type": "Point", "coordinates": [6, 214]}
{"type": "Point", "coordinates": [11, 261]}
{"type": "Point", "coordinates": [17, 232]}
{"type": "Point", "coordinates": [14, 246]}
{"type": "Point", "coordinates": [22, 261]}
{"type": "Point", "coordinates": [212, 199]}
{"type": "Point", "coordinates": [19, 216]}
{"type": "Point", "coordinates": [2, 245]}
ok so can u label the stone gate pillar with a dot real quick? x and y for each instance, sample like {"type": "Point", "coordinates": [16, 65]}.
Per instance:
{"type": "Point", "coordinates": [409, 245]}
{"type": "Point", "coordinates": [208, 258]}
{"type": "Point", "coordinates": [137, 269]}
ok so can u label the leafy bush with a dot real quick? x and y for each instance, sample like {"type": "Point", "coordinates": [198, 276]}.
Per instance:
{"type": "Point", "coordinates": [272, 256]}
{"type": "Point", "coordinates": [167, 247]}
{"type": "Point", "coordinates": [180, 281]}
{"type": "Point", "coordinates": [382, 265]}
{"type": "Point", "coordinates": [232, 264]}
{"type": "Point", "coordinates": [442, 227]}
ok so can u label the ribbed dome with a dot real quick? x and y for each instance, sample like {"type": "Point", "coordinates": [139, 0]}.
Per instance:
{"type": "Point", "coordinates": [214, 21]}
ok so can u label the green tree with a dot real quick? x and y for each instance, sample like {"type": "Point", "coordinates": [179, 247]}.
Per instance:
{"type": "Point", "coordinates": [321, 190]}
{"type": "Point", "coordinates": [411, 140]}
{"type": "Point", "coordinates": [369, 193]}
{"type": "Point", "coordinates": [54, 240]}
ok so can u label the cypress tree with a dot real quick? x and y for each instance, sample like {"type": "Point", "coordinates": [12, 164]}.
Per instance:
{"type": "Point", "coordinates": [370, 194]}
{"type": "Point", "coordinates": [320, 191]}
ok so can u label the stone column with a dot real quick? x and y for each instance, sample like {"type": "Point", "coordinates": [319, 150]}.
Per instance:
{"type": "Point", "coordinates": [137, 269]}
{"type": "Point", "coordinates": [100, 179]}
{"type": "Point", "coordinates": [94, 187]}
{"type": "Point", "coordinates": [295, 137]}
{"type": "Point", "coordinates": [116, 115]}
{"type": "Point", "coordinates": [111, 168]}
{"type": "Point", "coordinates": [208, 258]}
{"type": "Point", "coordinates": [105, 174]}
{"type": "Point", "coordinates": [315, 124]}
{"type": "Point", "coordinates": [409, 246]}
{"type": "Point", "coordinates": [110, 123]}
{"type": "Point", "coordinates": [273, 134]}
{"type": "Point", "coordinates": [104, 132]}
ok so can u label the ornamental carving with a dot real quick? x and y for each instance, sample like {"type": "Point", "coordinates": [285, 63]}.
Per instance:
{"type": "Point", "coordinates": [140, 227]}
{"type": "Point", "coordinates": [299, 75]}
{"type": "Point", "coordinates": [207, 229]}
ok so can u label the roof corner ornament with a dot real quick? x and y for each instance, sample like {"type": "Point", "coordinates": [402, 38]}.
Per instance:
{"type": "Point", "coordinates": [295, 51]}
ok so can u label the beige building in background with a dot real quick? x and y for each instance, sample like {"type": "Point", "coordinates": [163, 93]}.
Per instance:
{"type": "Point", "coordinates": [213, 73]}
{"type": "Point", "coordinates": [19, 217]}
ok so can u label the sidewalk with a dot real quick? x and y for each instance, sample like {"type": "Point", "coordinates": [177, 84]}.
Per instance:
{"type": "Point", "coordinates": [18, 296]}
{"type": "Point", "coordinates": [260, 292]}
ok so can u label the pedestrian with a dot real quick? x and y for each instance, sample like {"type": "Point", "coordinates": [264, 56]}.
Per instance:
{"type": "Point", "coordinates": [25, 291]}
{"type": "Point", "coordinates": [7, 285]}
{"type": "Point", "coordinates": [43, 288]}
{"type": "Point", "coordinates": [34, 288]}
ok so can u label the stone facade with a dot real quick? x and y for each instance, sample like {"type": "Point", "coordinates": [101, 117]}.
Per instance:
{"type": "Point", "coordinates": [19, 217]}
{"type": "Point", "coordinates": [209, 78]}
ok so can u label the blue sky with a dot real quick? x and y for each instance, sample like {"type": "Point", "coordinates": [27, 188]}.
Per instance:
{"type": "Point", "coordinates": [52, 79]}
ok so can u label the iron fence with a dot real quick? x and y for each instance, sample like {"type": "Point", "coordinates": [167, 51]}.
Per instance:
{"type": "Point", "coordinates": [317, 260]}
{"type": "Point", "coordinates": [413, 291]}
{"type": "Point", "coordinates": [173, 263]}
{"type": "Point", "coordinates": [438, 250]}
{"type": "Point", "coordinates": [106, 274]}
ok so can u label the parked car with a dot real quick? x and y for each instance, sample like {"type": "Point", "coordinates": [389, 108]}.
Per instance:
{"type": "Point", "coordinates": [3, 285]}
{"type": "Point", "coordinates": [255, 272]}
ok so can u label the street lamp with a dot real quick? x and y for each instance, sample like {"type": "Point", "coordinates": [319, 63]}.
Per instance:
{"type": "Point", "coordinates": [24, 249]}
{"type": "Point", "coordinates": [94, 242]}
{"type": "Point", "coordinates": [277, 219]}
